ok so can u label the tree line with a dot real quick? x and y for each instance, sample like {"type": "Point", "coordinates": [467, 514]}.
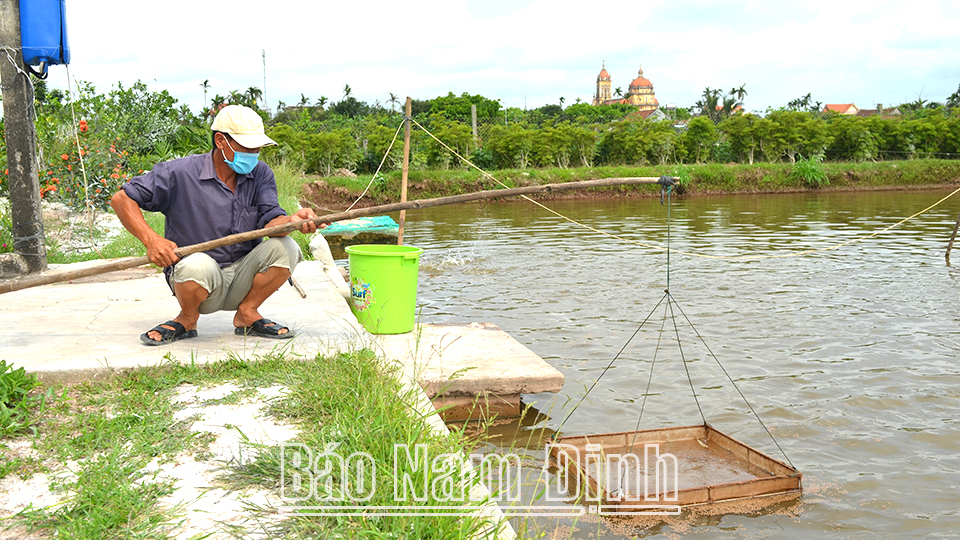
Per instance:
{"type": "Point", "coordinates": [128, 129]}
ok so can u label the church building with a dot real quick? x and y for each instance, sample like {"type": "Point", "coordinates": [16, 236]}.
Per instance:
{"type": "Point", "coordinates": [639, 94]}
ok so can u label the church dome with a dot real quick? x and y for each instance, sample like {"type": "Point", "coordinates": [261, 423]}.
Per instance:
{"type": "Point", "coordinates": [641, 81]}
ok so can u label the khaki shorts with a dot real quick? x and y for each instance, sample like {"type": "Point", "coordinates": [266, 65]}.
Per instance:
{"type": "Point", "coordinates": [228, 286]}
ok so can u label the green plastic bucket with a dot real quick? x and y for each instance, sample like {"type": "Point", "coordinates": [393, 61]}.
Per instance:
{"type": "Point", "coordinates": [383, 286]}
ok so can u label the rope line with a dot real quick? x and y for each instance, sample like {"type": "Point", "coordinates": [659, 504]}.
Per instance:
{"type": "Point", "coordinates": [377, 173]}
{"type": "Point", "coordinates": [604, 372]}
{"type": "Point", "coordinates": [689, 253]}
{"type": "Point", "coordinates": [745, 400]}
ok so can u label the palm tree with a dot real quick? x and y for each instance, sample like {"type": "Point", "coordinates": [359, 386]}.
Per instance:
{"type": "Point", "coordinates": [347, 91]}
{"type": "Point", "coordinates": [216, 104]}
{"type": "Point", "coordinates": [254, 95]}
{"type": "Point", "coordinates": [205, 84]}
{"type": "Point", "coordinates": [562, 99]}
{"type": "Point", "coordinates": [304, 100]}
{"type": "Point", "coordinates": [740, 93]}
{"type": "Point", "coordinates": [322, 101]}
{"type": "Point", "coordinates": [953, 100]}
{"type": "Point", "coordinates": [618, 92]}
{"type": "Point", "coordinates": [709, 104]}
{"type": "Point", "coordinates": [394, 100]}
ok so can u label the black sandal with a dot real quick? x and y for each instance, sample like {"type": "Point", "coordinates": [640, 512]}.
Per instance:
{"type": "Point", "coordinates": [264, 328]}
{"type": "Point", "coordinates": [167, 335]}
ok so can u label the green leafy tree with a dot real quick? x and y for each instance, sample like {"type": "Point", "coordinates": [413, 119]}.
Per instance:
{"type": "Point", "coordinates": [553, 145]}
{"type": "Point", "coordinates": [639, 142]}
{"type": "Point", "coordinates": [454, 107]}
{"type": "Point", "coordinates": [456, 135]}
{"type": "Point", "coordinates": [740, 130]}
{"type": "Point", "coordinates": [511, 145]}
{"type": "Point", "coordinates": [854, 138]}
{"type": "Point", "coordinates": [330, 150]}
{"type": "Point", "coordinates": [350, 107]}
{"type": "Point", "coordinates": [699, 138]}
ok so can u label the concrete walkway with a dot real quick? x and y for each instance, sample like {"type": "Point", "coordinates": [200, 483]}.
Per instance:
{"type": "Point", "coordinates": [76, 331]}
{"type": "Point", "coordinates": [91, 328]}
{"type": "Point", "coordinates": [88, 329]}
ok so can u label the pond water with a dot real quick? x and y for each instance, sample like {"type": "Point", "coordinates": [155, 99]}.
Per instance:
{"type": "Point", "coordinates": [850, 356]}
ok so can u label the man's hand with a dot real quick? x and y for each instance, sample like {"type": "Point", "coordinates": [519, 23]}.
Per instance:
{"type": "Point", "coordinates": [161, 251]}
{"type": "Point", "coordinates": [309, 227]}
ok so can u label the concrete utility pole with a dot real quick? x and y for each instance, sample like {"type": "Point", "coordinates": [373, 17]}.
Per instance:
{"type": "Point", "coordinates": [21, 141]}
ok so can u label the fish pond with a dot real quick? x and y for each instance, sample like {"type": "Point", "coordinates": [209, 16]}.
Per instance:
{"type": "Point", "coordinates": [848, 355]}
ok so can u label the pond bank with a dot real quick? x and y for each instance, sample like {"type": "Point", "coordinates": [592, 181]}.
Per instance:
{"type": "Point", "coordinates": [709, 179]}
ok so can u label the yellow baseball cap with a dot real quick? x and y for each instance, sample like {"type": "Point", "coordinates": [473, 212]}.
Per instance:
{"type": "Point", "coordinates": [243, 124]}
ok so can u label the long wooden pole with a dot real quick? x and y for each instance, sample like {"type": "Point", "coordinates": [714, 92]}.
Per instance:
{"type": "Point", "coordinates": [132, 262]}
{"type": "Point", "coordinates": [408, 110]}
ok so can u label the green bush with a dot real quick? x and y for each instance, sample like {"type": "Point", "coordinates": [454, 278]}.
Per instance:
{"type": "Point", "coordinates": [810, 171]}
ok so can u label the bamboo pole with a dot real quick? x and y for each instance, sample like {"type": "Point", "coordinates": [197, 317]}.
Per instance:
{"type": "Point", "coordinates": [47, 278]}
{"type": "Point", "coordinates": [406, 167]}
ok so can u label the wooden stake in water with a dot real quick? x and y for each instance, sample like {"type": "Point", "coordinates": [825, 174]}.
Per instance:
{"type": "Point", "coordinates": [406, 167]}
{"type": "Point", "coordinates": [953, 237]}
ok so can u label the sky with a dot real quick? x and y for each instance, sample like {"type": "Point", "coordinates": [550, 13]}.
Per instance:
{"type": "Point", "coordinates": [526, 53]}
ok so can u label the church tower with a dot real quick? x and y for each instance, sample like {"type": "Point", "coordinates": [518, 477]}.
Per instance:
{"type": "Point", "coordinates": [641, 93]}
{"type": "Point", "coordinates": [604, 92]}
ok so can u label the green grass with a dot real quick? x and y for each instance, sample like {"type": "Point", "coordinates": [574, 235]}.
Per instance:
{"type": "Point", "coordinates": [19, 402]}
{"type": "Point", "coordinates": [112, 429]}
{"type": "Point", "coordinates": [289, 183]}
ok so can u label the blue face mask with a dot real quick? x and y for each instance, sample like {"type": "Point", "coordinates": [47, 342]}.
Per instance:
{"type": "Point", "coordinates": [243, 162]}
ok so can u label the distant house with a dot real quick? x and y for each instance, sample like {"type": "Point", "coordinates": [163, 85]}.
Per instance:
{"type": "Point", "coordinates": [737, 109]}
{"type": "Point", "coordinates": [654, 115]}
{"type": "Point", "coordinates": [841, 108]}
{"type": "Point", "coordinates": [888, 112]}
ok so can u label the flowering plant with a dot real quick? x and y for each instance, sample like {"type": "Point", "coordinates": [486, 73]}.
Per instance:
{"type": "Point", "coordinates": [105, 166]}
